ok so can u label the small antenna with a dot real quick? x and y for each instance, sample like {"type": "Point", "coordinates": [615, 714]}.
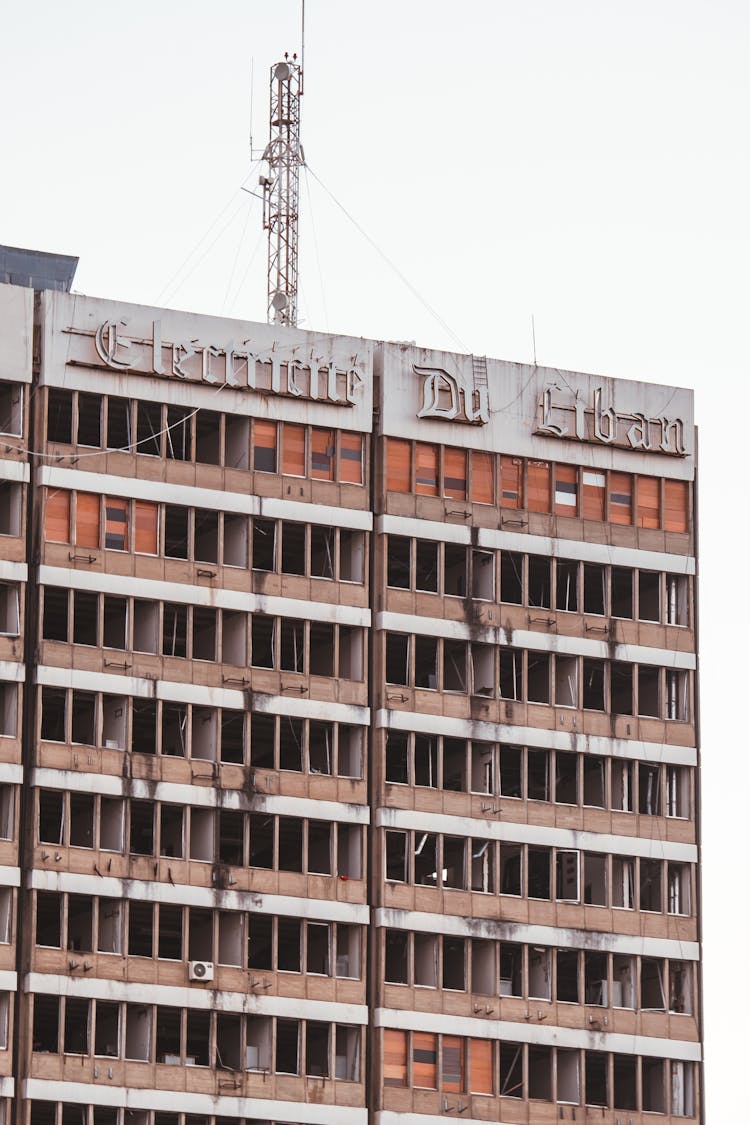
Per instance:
{"type": "Point", "coordinates": [533, 338]}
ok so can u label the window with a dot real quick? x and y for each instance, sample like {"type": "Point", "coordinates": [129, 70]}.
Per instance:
{"type": "Point", "coordinates": [482, 478]}
{"type": "Point", "coordinates": [620, 498]}
{"type": "Point", "coordinates": [264, 447]}
{"type": "Point", "coordinates": [350, 455]}
{"type": "Point", "coordinates": [426, 473]}
{"type": "Point", "coordinates": [566, 490]}
{"type": "Point", "coordinates": [116, 524]}
{"type": "Point", "coordinates": [649, 501]}
{"type": "Point", "coordinates": [675, 505]}
{"type": "Point", "coordinates": [454, 473]}
{"type": "Point", "coordinates": [538, 478]}
{"type": "Point", "coordinates": [322, 454]}
{"type": "Point", "coordinates": [398, 470]}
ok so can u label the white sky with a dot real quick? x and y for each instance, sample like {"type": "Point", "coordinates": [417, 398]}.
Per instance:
{"type": "Point", "coordinates": [586, 162]}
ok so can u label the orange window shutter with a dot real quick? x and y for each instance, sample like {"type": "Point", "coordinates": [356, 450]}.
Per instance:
{"type": "Point", "coordinates": [87, 519]}
{"type": "Point", "coordinates": [482, 478]}
{"type": "Point", "coordinates": [293, 450]}
{"type": "Point", "coordinates": [649, 514]}
{"type": "Point", "coordinates": [350, 458]}
{"type": "Point", "coordinates": [394, 1057]}
{"type": "Point", "coordinates": [453, 1064]}
{"type": "Point", "coordinates": [426, 469]}
{"type": "Point", "coordinates": [322, 454]}
{"type": "Point", "coordinates": [511, 476]}
{"type": "Point", "coordinates": [116, 524]}
{"type": "Point", "coordinates": [146, 527]}
{"type": "Point", "coordinates": [480, 1064]}
{"type": "Point", "coordinates": [424, 1060]}
{"type": "Point", "coordinates": [57, 516]}
{"type": "Point", "coordinates": [593, 490]}
{"type": "Point", "coordinates": [454, 473]}
{"type": "Point", "coordinates": [566, 490]}
{"type": "Point", "coordinates": [398, 474]}
{"type": "Point", "coordinates": [675, 505]}
{"type": "Point", "coordinates": [264, 446]}
{"type": "Point", "coordinates": [620, 498]}
{"type": "Point", "coordinates": [538, 479]}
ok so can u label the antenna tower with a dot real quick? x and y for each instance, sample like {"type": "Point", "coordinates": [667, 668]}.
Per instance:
{"type": "Point", "coordinates": [284, 157]}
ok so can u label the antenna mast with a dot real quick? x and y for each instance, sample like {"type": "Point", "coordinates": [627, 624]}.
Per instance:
{"type": "Point", "coordinates": [284, 157]}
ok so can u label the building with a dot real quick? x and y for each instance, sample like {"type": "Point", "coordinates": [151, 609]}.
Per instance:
{"type": "Point", "coordinates": [349, 744]}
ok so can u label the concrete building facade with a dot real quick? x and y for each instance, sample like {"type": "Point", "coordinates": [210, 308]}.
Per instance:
{"type": "Point", "coordinates": [349, 748]}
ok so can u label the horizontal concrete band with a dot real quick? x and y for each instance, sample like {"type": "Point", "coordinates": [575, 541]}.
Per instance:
{"type": "Point", "coordinates": [492, 539]}
{"type": "Point", "coordinates": [10, 876]}
{"type": "Point", "coordinates": [12, 671]}
{"type": "Point", "coordinates": [146, 890]}
{"type": "Point", "coordinates": [242, 503]}
{"type": "Point", "coordinates": [508, 734]}
{"type": "Point", "coordinates": [199, 795]}
{"type": "Point", "coordinates": [11, 773]}
{"type": "Point", "coordinates": [564, 937]}
{"type": "Point", "coordinates": [281, 1112]}
{"type": "Point", "coordinates": [541, 1034]}
{"type": "Point", "coordinates": [200, 996]}
{"type": "Point", "coordinates": [17, 471]}
{"type": "Point", "coordinates": [539, 642]}
{"type": "Point", "coordinates": [13, 571]}
{"type": "Point", "coordinates": [390, 1117]}
{"type": "Point", "coordinates": [222, 598]}
{"type": "Point", "coordinates": [522, 833]}
{"type": "Point", "coordinates": [8, 980]}
{"type": "Point", "coordinates": [179, 692]}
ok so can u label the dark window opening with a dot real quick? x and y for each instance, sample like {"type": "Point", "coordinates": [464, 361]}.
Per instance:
{"type": "Point", "coordinates": [149, 428]}
{"type": "Point", "coordinates": [622, 592]}
{"type": "Point", "coordinates": [594, 589]}
{"type": "Point", "coordinates": [567, 586]}
{"type": "Point", "coordinates": [399, 562]}
{"type": "Point", "coordinates": [539, 582]}
{"type": "Point", "coordinates": [59, 416]}
{"type": "Point", "coordinates": [176, 532]}
{"type": "Point", "coordinates": [85, 617]}
{"type": "Point", "coordinates": [427, 566]}
{"type": "Point", "coordinates": [118, 423]}
{"type": "Point", "coordinates": [511, 578]}
{"type": "Point", "coordinates": [55, 619]}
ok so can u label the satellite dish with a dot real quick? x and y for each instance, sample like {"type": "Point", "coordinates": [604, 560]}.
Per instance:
{"type": "Point", "coordinates": [279, 300]}
{"type": "Point", "coordinates": [282, 71]}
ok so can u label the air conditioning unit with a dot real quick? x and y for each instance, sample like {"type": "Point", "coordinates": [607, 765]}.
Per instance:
{"type": "Point", "coordinates": [200, 970]}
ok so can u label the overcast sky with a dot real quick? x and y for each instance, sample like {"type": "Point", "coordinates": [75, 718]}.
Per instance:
{"type": "Point", "coordinates": [584, 162]}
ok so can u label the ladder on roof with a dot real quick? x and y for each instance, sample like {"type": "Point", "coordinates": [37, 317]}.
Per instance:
{"type": "Point", "coordinates": [479, 368]}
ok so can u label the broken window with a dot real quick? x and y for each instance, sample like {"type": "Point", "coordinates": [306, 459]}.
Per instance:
{"type": "Point", "coordinates": [649, 589]}
{"type": "Point", "coordinates": [483, 866]}
{"type": "Point", "coordinates": [170, 932]}
{"type": "Point", "coordinates": [539, 871]}
{"type": "Point", "coordinates": [623, 882]}
{"type": "Point", "coordinates": [454, 665]}
{"type": "Point", "coordinates": [454, 862]}
{"type": "Point", "coordinates": [46, 1025]}
{"type": "Point", "coordinates": [76, 1026]}
{"type": "Point", "coordinates": [109, 936]}
{"type": "Point", "coordinates": [595, 978]}
{"type": "Point", "coordinates": [594, 781]}
{"type": "Point", "coordinates": [678, 791]}
{"type": "Point", "coordinates": [144, 726]}
{"type": "Point", "coordinates": [621, 688]}
{"type": "Point", "coordinates": [397, 757]}
{"type": "Point", "coordinates": [290, 843]}
{"type": "Point", "coordinates": [678, 888]}
{"type": "Point", "coordinates": [262, 641]}
{"type": "Point", "coordinates": [174, 630]}
{"type": "Point", "coordinates": [258, 1043]}
{"type": "Point", "coordinates": [511, 673]}
{"type": "Point", "coordinates": [622, 592]}
{"type": "Point", "coordinates": [322, 650]}
{"type": "Point", "coordinates": [322, 452]}
{"type": "Point", "coordinates": [624, 1088]}
{"type": "Point", "coordinates": [537, 766]}
{"type": "Point", "coordinates": [292, 645]}
{"type": "Point", "coordinates": [176, 531]}
{"type": "Point", "coordinates": [55, 617]}
{"type": "Point", "coordinates": [511, 869]}
{"type": "Point", "coordinates": [289, 945]}
{"type": "Point", "coordinates": [567, 876]}
{"type": "Point", "coordinates": [454, 764]}
{"type": "Point", "coordinates": [172, 832]}
{"type": "Point", "coordinates": [425, 860]}
{"type": "Point", "coordinates": [455, 571]}
{"type": "Point", "coordinates": [48, 919]}
{"type": "Point", "coordinates": [680, 987]}
{"type": "Point", "coordinates": [540, 972]}
{"type": "Point", "coordinates": [483, 575]}
{"type": "Point", "coordinates": [202, 835]}
{"type": "Point", "coordinates": [107, 1036]}
{"type": "Point", "coordinates": [351, 556]}
{"type": "Point", "coordinates": [652, 985]}
{"type": "Point", "coordinates": [538, 677]}
{"type": "Point", "coordinates": [652, 1085]}
{"type": "Point", "coordinates": [293, 540]}
{"type": "Point", "coordinates": [83, 718]}
{"type": "Point", "coordinates": [511, 577]}
{"type": "Point", "coordinates": [81, 833]}
{"type": "Point", "coordinates": [174, 729]}
{"type": "Point", "coordinates": [232, 733]}
{"type": "Point", "coordinates": [397, 658]}
{"type": "Point", "coordinates": [264, 446]}
{"type": "Point", "coordinates": [540, 1070]}
{"type": "Point", "coordinates": [597, 1078]}
{"type": "Point", "coordinates": [566, 681]}
{"type": "Point", "coordinates": [426, 573]}
{"type": "Point", "coordinates": [59, 413]}
{"type": "Point", "coordinates": [118, 423]}
{"type": "Point", "coordinates": [651, 884]}
{"type": "Point", "coordinates": [208, 437]}
{"type": "Point", "coordinates": [115, 622]}
{"type": "Point", "coordinates": [623, 981]}
{"type": "Point", "coordinates": [319, 846]}
{"type": "Point", "coordinates": [264, 544]}
{"type": "Point", "coordinates": [316, 1048]}
{"type": "Point", "coordinates": [648, 691]}
{"type": "Point", "coordinates": [511, 1069]}
{"type": "Point", "coordinates": [594, 589]}
{"type": "Point", "coordinates": [260, 942]}
{"type": "Point", "coordinates": [204, 633]}
{"type": "Point", "coordinates": [678, 599]}
{"type": "Point", "coordinates": [511, 771]}
{"type": "Point", "coordinates": [85, 617]}
{"type": "Point", "coordinates": [676, 685]}
{"type": "Point", "coordinates": [148, 434]}
{"type": "Point", "coordinates": [567, 976]}
{"type": "Point", "coordinates": [287, 1046]}
{"type": "Point", "coordinates": [539, 581]}
{"type": "Point", "coordinates": [234, 540]}
{"type": "Point", "coordinates": [178, 434]}
{"type": "Point", "coordinates": [141, 828]}
{"type": "Point", "coordinates": [322, 551]}
{"type": "Point", "coordinates": [649, 789]}
{"type": "Point", "coordinates": [482, 766]}
{"type": "Point", "coordinates": [567, 586]}
{"type": "Point", "coordinates": [595, 879]}
{"type": "Point", "coordinates": [10, 514]}
{"type": "Point", "coordinates": [396, 869]}
{"type": "Point", "coordinates": [8, 710]}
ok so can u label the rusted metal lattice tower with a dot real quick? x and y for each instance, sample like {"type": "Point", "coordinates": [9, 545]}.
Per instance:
{"type": "Point", "coordinates": [284, 157]}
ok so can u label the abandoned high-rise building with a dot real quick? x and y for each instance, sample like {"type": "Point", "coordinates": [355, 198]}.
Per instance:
{"type": "Point", "coordinates": [348, 728]}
